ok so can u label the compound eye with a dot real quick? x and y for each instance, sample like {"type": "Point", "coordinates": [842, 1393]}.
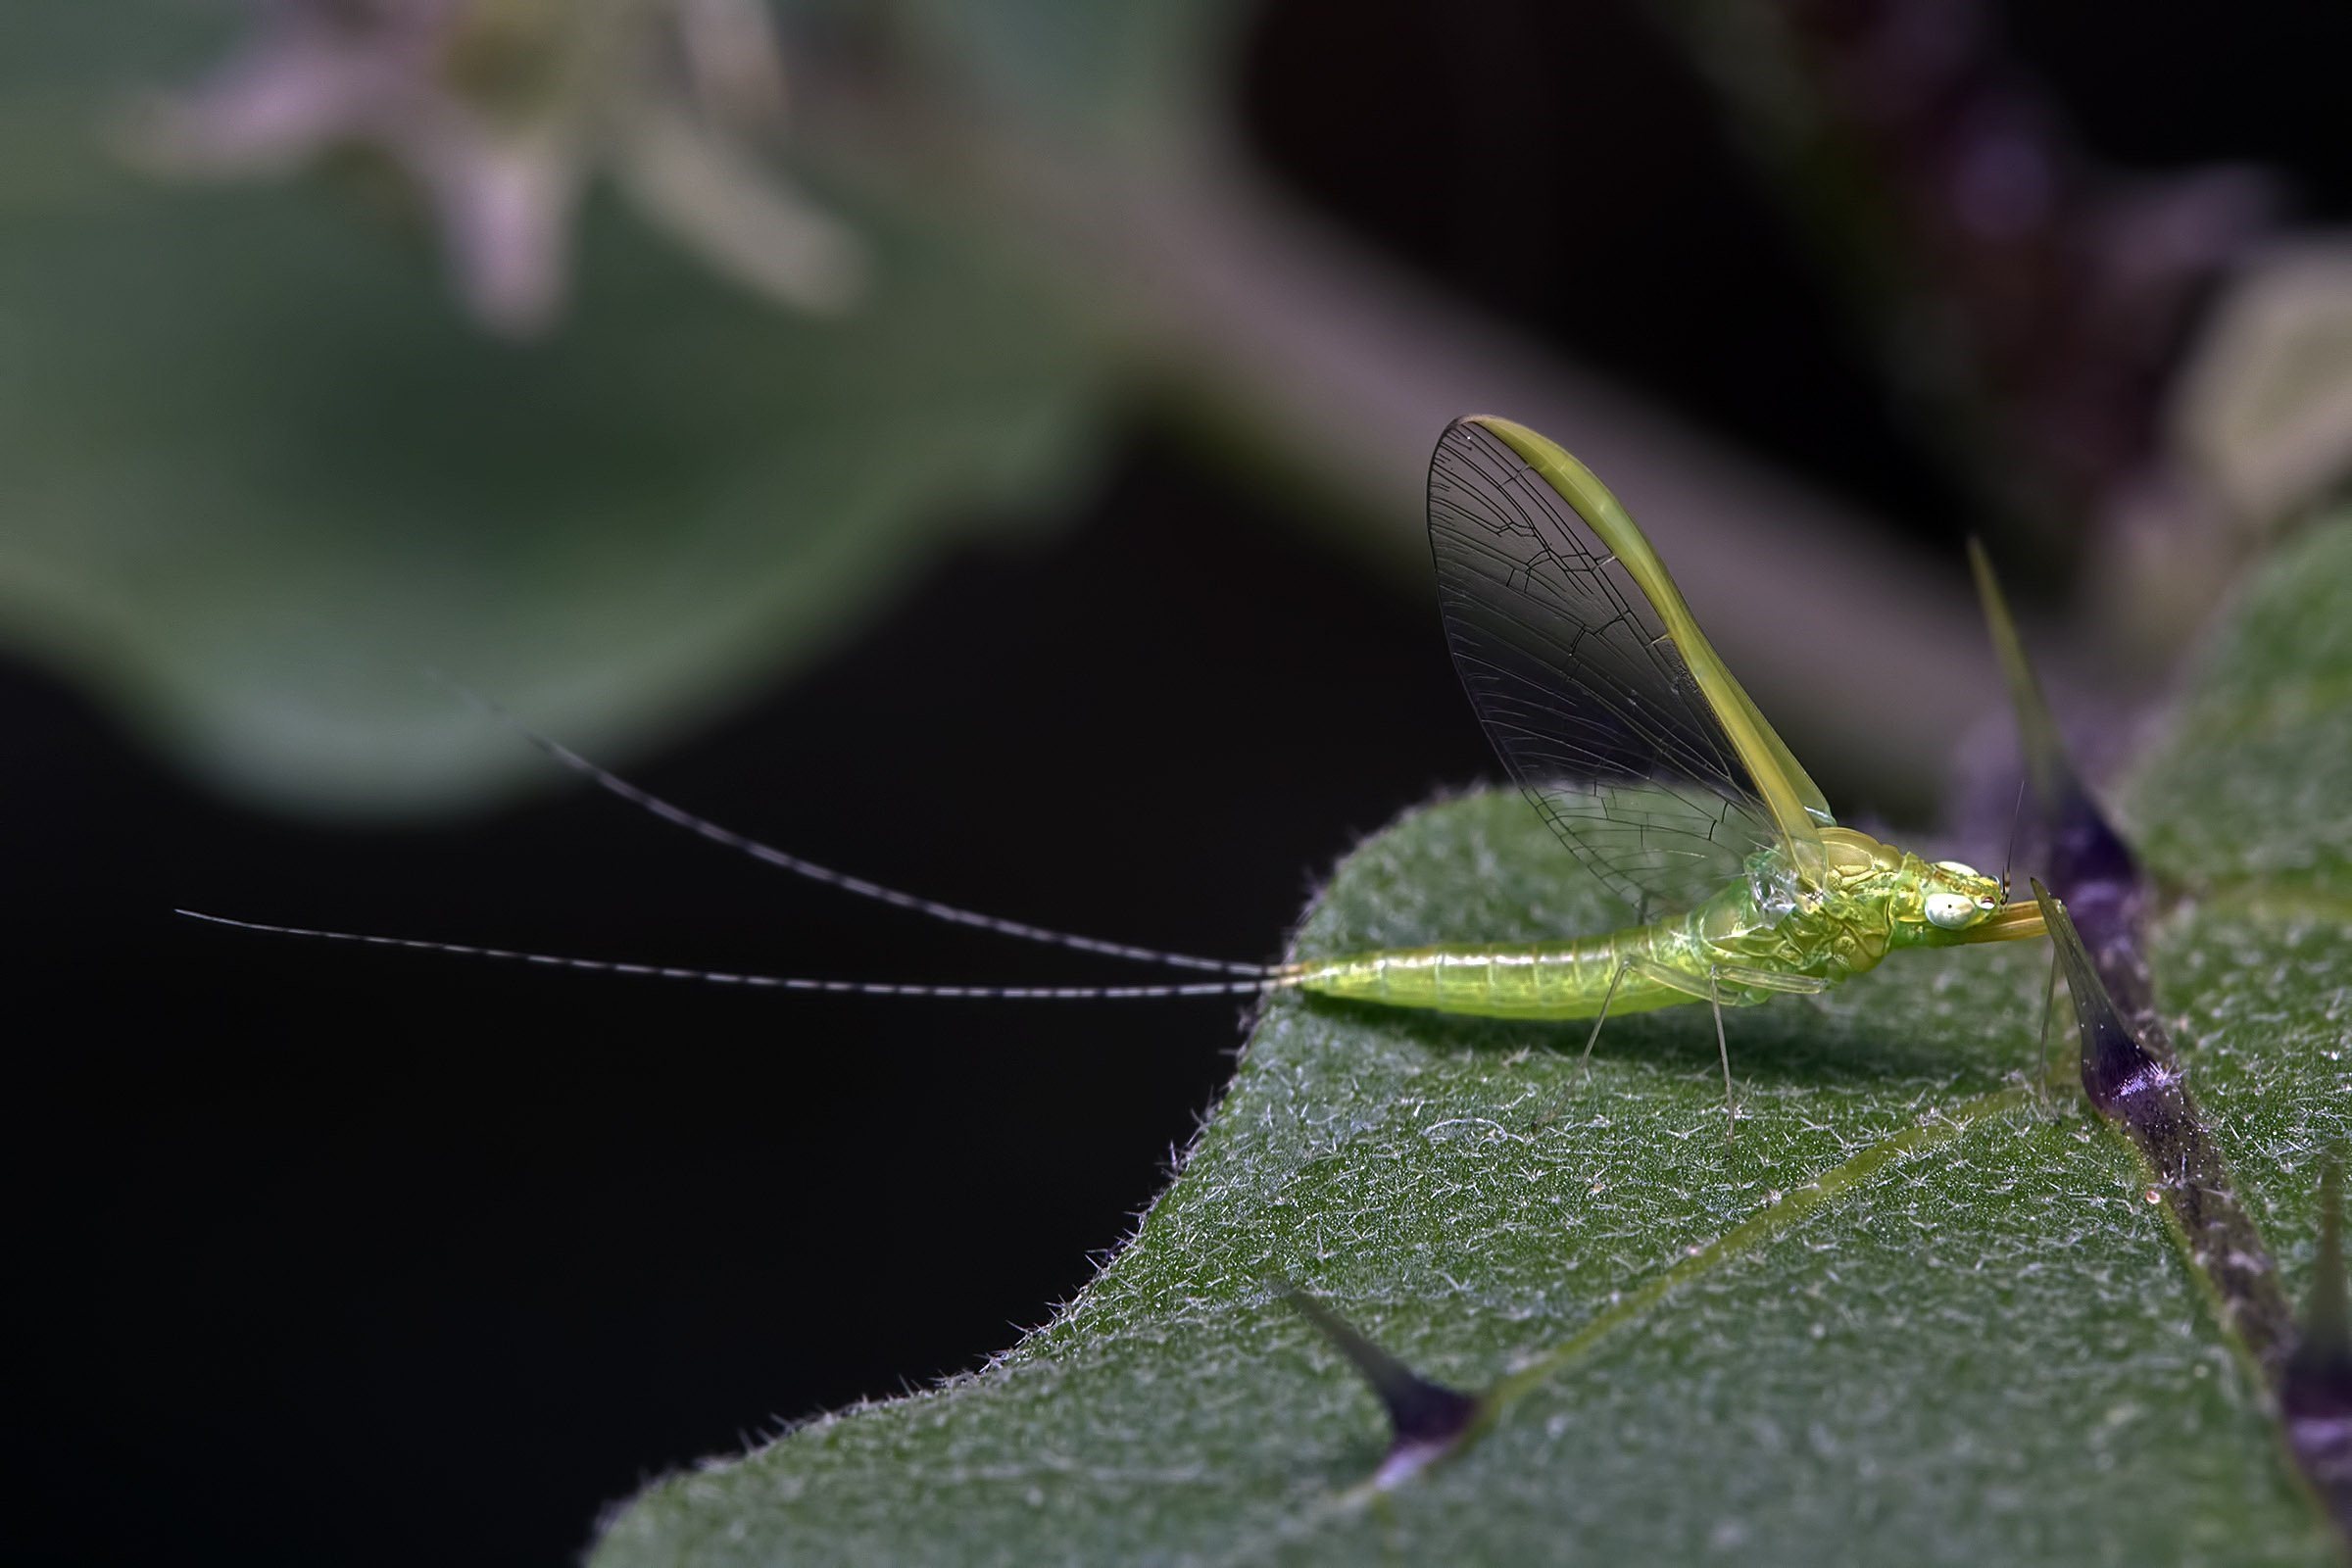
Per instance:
{"type": "Point", "coordinates": [1952, 912]}
{"type": "Point", "coordinates": [1958, 868]}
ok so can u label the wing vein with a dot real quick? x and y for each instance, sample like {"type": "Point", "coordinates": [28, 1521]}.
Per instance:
{"type": "Point", "coordinates": [1580, 687]}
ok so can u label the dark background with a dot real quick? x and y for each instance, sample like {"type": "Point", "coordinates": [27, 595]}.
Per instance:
{"type": "Point", "coordinates": [351, 1256]}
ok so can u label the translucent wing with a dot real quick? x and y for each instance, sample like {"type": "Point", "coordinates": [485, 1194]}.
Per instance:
{"type": "Point", "coordinates": [1581, 685]}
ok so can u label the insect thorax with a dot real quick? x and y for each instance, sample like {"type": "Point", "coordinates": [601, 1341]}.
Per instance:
{"type": "Point", "coordinates": [1769, 921]}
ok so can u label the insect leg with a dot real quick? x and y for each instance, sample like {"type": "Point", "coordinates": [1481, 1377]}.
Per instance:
{"type": "Point", "coordinates": [2050, 995]}
{"type": "Point", "coordinates": [1671, 978]}
{"type": "Point", "coordinates": [1801, 985]}
{"type": "Point", "coordinates": [1712, 992]}
{"type": "Point", "coordinates": [1731, 1113]}
{"type": "Point", "coordinates": [1593, 1039]}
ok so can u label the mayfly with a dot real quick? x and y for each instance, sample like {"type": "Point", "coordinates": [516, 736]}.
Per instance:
{"type": "Point", "coordinates": [1628, 733]}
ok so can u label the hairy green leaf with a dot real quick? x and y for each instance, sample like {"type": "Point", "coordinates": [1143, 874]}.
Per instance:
{"type": "Point", "coordinates": [2247, 789]}
{"type": "Point", "coordinates": [1912, 1314]}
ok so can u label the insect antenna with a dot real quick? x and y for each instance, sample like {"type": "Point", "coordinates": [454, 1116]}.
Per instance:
{"type": "Point", "coordinates": [824, 875]}
{"type": "Point", "coordinates": [1274, 979]}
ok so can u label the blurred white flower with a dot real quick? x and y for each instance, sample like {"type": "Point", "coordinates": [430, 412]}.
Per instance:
{"type": "Point", "coordinates": [501, 110]}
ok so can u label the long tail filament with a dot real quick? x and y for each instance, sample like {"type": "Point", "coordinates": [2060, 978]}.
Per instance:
{"type": "Point", "coordinates": [1274, 979]}
{"type": "Point", "coordinates": [704, 827]}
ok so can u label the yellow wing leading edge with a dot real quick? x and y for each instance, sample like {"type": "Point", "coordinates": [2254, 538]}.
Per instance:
{"type": "Point", "coordinates": [1797, 806]}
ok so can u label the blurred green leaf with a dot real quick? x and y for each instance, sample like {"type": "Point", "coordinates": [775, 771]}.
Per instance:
{"type": "Point", "coordinates": [259, 471]}
{"type": "Point", "coordinates": [1910, 1315]}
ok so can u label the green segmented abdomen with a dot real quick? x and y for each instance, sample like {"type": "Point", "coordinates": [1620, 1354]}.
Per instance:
{"type": "Point", "coordinates": [1546, 980]}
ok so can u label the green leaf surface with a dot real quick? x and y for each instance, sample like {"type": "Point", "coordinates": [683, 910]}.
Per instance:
{"type": "Point", "coordinates": [260, 471]}
{"type": "Point", "coordinates": [2247, 792]}
{"type": "Point", "coordinates": [1911, 1315]}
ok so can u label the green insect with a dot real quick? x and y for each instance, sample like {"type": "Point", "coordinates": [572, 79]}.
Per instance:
{"type": "Point", "coordinates": [1626, 730]}
{"type": "Point", "coordinates": [1637, 744]}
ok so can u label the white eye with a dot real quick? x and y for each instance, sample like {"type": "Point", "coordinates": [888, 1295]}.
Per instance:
{"type": "Point", "coordinates": [1951, 911]}
{"type": "Point", "coordinates": [1958, 868]}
